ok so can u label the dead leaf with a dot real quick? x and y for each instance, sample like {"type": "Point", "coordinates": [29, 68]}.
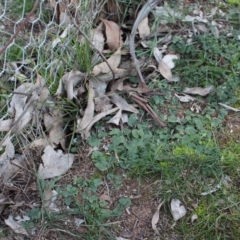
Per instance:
{"type": "Point", "coordinates": [113, 34]}
{"type": "Point", "coordinates": [97, 38]}
{"type": "Point", "coordinates": [229, 107]}
{"type": "Point", "coordinates": [100, 116]}
{"type": "Point", "coordinates": [5, 125]}
{"type": "Point", "coordinates": [18, 101]}
{"type": "Point", "coordinates": [165, 70]}
{"type": "Point", "coordinates": [118, 85]}
{"type": "Point", "coordinates": [194, 217]}
{"type": "Point", "coordinates": [15, 226]}
{"type": "Point", "coordinates": [143, 28]}
{"type": "Point", "coordinates": [55, 127]}
{"type": "Point", "coordinates": [99, 87]}
{"type": "Point", "coordinates": [89, 111]}
{"type": "Point", "coordinates": [124, 118]}
{"type": "Point", "coordinates": [157, 54]}
{"type": "Point", "coordinates": [184, 98]}
{"type": "Point", "coordinates": [122, 103]}
{"type": "Point", "coordinates": [39, 143]}
{"type": "Point", "coordinates": [155, 219]}
{"type": "Point", "coordinates": [116, 118]}
{"type": "Point", "coordinates": [177, 209]}
{"type": "Point", "coordinates": [113, 61]}
{"type": "Point", "coordinates": [198, 90]}
{"type": "Point", "coordinates": [64, 19]}
{"type": "Point", "coordinates": [55, 163]}
{"type": "Point", "coordinates": [101, 103]}
{"type": "Point", "coordinates": [168, 59]}
{"type": "Point", "coordinates": [69, 81]}
{"type": "Point", "coordinates": [10, 168]}
{"type": "Point", "coordinates": [49, 199]}
{"type": "Point", "coordinates": [9, 150]}
{"type": "Point", "coordinates": [105, 197]}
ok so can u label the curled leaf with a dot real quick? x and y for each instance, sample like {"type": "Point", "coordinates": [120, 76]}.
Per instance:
{"type": "Point", "coordinates": [113, 34]}
{"type": "Point", "coordinates": [165, 70]}
{"type": "Point", "coordinates": [113, 61]}
{"type": "Point", "coordinates": [198, 90]}
{"type": "Point", "coordinates": [168, 59]}
{"type": "Point", "coordinates": [157, 54]}
{"type": "Point", "coordinates": [155, 219]}
{"type": "Point", "coordinates": [143, 28]}
{"type": "Point", "coordinates": [184, 98]}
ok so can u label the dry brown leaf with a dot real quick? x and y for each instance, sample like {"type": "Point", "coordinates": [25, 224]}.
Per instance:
{"type": "Point", "coordinates": [10, 168]}
{"type": "Point", "coordinates": [143, 28]}
{"type": "Point", "coordinates": [55, 163]}
{"type": "Point", "coordinates": [99, 87]}
{"type": "Point", "coordinates": [97, 38]}
{"type": "Point", "coordinates": [101, 103]}
{"type": "Point", "coordinates": [113, 61]}
{"type": "Point", "coordinates": [184, 98]}
{"type": "Point", "coordinates": [15, 226]}
{"type": "Point", "coordinates": [229, 107]}
{"type": "Point", "coordinates": [55, 127]}
{"type": "Point", "coordinates": [18, 101]}
{"type": "Point", "coordinates": [157, 54]}
{"type": "Point", "coordinates": [165, 70]}
{"type": "Point", "coordinates": [69, 81]}
{"type": "Point", "coordinates": [64, 19]}
{"type": "Point", "coordinates": [105, 197]}
{"type": "Point", "coordinates": [118, 85]}
{"type": "Point", "coordinates": [5, 125]}
{"type": "Point", "coordinates": [39, 143]}
{"type": "Point", "coordinates": [100, 116]}
{"type": "Point", "coordinates": [9, 150]}
{"type": "Point", "coordinates": [49, 198]}
{"type": "Point", "coordinates": [89, 111]}
{"type": "Point", "coordinates": [155, 219]}
{"type": "Point", "coordinates": [113, 34]}
{"type": "Point", "coordinates": [116, 118]}
{"type": "Point", "coordinates": [198, 90]}
{"type": "Point", "coordinates": [122, 103]}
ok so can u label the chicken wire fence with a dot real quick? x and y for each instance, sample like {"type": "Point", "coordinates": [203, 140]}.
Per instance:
{"type": "Point", "coordinates": [48, 42]}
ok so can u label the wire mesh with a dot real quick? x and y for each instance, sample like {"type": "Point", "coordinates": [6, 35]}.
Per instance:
{"type": "Point", "coordinates": [47, 43]}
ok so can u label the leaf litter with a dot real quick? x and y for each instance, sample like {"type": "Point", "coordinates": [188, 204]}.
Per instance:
{"type": "Point", "coordinates": [23, 107]}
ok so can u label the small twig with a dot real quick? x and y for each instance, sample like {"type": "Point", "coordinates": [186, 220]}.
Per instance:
{"type": "Point", "coordinates": [138, 98]}
{"type": "Point", "coordinates": [163, 125]}
{"type": "Point", "coordinates": [148, 109]}
{"type": "Point", "coordinates": [141, 15]}
{"type": "Point", "coordinates": [20, 27]}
